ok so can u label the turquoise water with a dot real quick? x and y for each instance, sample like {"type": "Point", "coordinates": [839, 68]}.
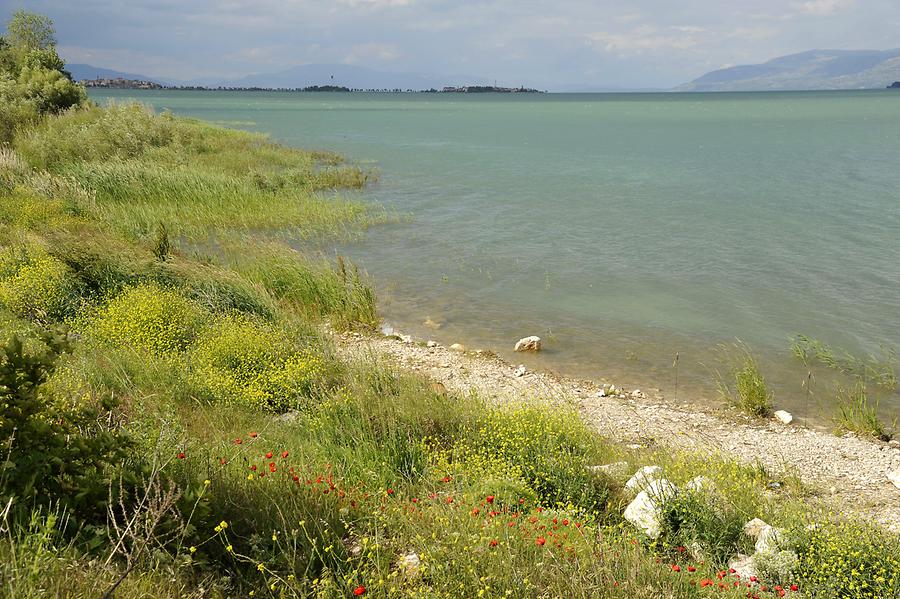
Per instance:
{"type": "Point", "coordinates": [621, 228]}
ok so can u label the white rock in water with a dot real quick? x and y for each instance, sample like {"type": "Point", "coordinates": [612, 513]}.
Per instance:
{"type": "Point", "coordinates": [784, 417]}
{"type": "Point", "coordinates": [894, 477]}
{"type": "Point", "coordinates": [458, 347]}
{"type": "Point", "coordinates": [769, 539]}
{"type": "Point", "coordinates": [699, 483]}
{"type": "Point", "coordinates": [432, 344]}
{"type": "Point", "coordinates": [744, 565]}
{"type": "Point", "coordinates": [643, 477]}
{"type": "Point", "coordinates": [645, 511]}
{"type": "Point", "coordinates": [532, 343]}
{"type": "Point", "coordinates": [520, 371]}
{"type": "Point", "coordinates": [754, 527]}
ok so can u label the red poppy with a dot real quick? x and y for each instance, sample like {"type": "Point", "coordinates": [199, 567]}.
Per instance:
{"type": "Point", "coordinates": [540, 541]}
{"type": "Point", "coordinates": [795, 587]}
{"type": "Point", "coordinates": [692, 569]}
{"type": "Point", "coordinates": [489, 499]}
{"type": "Point", "coordinates": [493, 542]}
{"type": "Point", "coordinates": [566, 522]}
{"type": "Point", "coordinates": [252, 435]}
{"type": "Point", "coordinates": [271, 466]}
{"type": "Point", "coordinates": [253, 467]}
{"type": "Point", "coordinates": [449, 500]}
{"type": "Point", "coordinates": [268, 455]}
{"type": "Point", "coordinates": [238, 441]}
{"type": "Point", "coordinates": [390, 491]}
{"type": "Point", "coordinates": [414, 500]}
{"type": "Point", "coordinates": [181, 456]}
{"type": "Point", "coordinates": [446, 479]}
{"type": "Point", "coordinates": [680, 549]}
{"type": "Point", "coordinates": [475, 511]}
{"type": "Point", "coordinates": [781, 593]}
{"type": "Point", "coordinates": [360, 590]}
{"type": "Point", "coordinates": [284, 454]}
{"type": "Point", "coordinates": [676, 568]}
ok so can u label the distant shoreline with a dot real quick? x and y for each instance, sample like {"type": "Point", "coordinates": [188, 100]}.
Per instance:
{"type": "Point", "coordinates": [120, 83]}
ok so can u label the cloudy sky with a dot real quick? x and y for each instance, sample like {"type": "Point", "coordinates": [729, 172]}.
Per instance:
{"type": "Point", "coordinates": [548, 44]}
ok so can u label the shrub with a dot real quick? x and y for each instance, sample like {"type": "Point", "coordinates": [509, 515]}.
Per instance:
{"type": "Point", "coordinates": [54, 452]}
{"type": "Point", "coordinates": [245, 361]}
{"type": "Point", "coordinates": [856, 414]}
{"type": "Point", "coordinates": [748, 391]}
{"type": "Point", "coordinates": [547, 450]}
{"type": "Point", "coordinates": [150, 318]}
{"type": "Point", "coordinates": [702, 521]}
{"type": "Point", "coordinates": [34, 285]}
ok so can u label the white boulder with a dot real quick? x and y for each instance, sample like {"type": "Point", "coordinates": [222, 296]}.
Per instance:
{"type": "Point", "coordinates": [409, 564]}
{"type": "Point", "coordinates": [643, 477]}
{"type": "Point", "coordinates": [784, 416]}
{"type": "Point", "coordinates": [754, 527]}
{"type": "Point", "coordinates": [744, 565]}
{"type": "Point", "coordinates": [520, 371]}
{"type": "Point", "coordinates": [646, 510]}
{"type": "Point", "coordinates": [532, 343]}
{"type": "Point", "coordinates": [699, 483]}
{"type": "Point", "coordinates": [458, 347]}
{"type": "Point", "coordinates": [432, 344]}
{"type": "Point", "coordinates": [769, 539]}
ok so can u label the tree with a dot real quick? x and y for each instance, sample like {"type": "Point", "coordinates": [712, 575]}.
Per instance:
{"type": "Point", "coordinates": [29, 31]}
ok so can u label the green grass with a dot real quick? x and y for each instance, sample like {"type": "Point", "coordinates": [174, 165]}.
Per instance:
{"type": "Point", "coordinates": [857, 414]}
{"type": "Point", "coordinates": [744, 385]}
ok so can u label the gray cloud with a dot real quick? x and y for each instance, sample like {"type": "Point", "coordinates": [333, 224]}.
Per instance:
{"type": "Point", "coordinates": [640, 43]}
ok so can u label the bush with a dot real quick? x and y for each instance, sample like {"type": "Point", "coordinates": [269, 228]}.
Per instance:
{"type": "Point", "coordinates": [705, 523]}
{"type": "Point", "coordinates": [36, 286]}
{"type": "Point", "coordinates": [748, 391]}
{"type": "Point", "coordinates": [251, 363]}
{"type": "Point", "coordinates": [54, 452]}
{"type": "Point", "coordinates": [856, 414]}
{"type": "Point", "coordinates": [150, 318]}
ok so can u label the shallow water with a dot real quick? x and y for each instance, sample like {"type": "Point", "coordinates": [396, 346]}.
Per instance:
{"type": "Point", "coordinates": [622, 228]}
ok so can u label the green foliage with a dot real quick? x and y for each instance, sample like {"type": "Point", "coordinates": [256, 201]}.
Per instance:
{"type": "Point", "coordinates": [54, 451]}
{"type": "Point", "coordinates": [30, 31]}
{"type": "Point", "coordinates": [546, 449]}
{"type": "Point", "coordinates": [161, 245]}
{"type": "Point", "coordinates": [148, 317]}
{"type": "Point", "coordinates": [34, 285]}
{"type": "Point", "coordinates": [875, 369]}
{"type": "Point", "coordinates": [847, 558]}
{"type": "Point", "coordinates": [747, 388]}
{"type": "Point", "coordinates": [855, 413]}
{"type": "Point", "coordinates": [705, 522]}
{"type": "Point", "coordinates": [254, 364]}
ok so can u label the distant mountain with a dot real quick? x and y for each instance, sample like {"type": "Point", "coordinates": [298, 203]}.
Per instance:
{"type": "Point", "coordinates": [815, 69]}
{"type": "Point", "coordinates": [352, 76]}
{"type": "Point", "coordinates": [82, 72]}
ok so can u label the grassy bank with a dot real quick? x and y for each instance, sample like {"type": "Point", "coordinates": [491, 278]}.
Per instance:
{"type": "Point", "coordinates": [174, 421]}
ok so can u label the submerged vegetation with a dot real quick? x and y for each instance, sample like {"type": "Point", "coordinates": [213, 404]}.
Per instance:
{"type": "Point", "coordinates": [174, 421]}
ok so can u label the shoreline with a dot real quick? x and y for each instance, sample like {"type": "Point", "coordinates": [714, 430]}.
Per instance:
{"type": "Point", "coordinates": [845, 471]}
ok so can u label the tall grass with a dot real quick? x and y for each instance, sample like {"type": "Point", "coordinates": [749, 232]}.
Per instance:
{"type": "Point", "coordinates": [857, 414]}
{"type": "Point", "coordinates": [744, 385]}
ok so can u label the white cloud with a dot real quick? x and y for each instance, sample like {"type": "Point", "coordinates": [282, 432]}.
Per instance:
{"type": "Point", "coordinates": [822, 7]}
{"type": "Point", "coordinates": [646, 37]}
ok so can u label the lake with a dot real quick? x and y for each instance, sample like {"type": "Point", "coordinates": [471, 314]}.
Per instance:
{"type": "Point", "coordinates": [621, 228]}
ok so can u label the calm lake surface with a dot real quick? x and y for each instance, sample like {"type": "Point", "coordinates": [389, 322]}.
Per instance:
{"type": "Point", "coordinates": [621, 228]}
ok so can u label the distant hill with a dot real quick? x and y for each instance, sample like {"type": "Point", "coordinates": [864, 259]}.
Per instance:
{"type": "Point", "coordinates": [815, 69]}
{"type": "Point", "coordinates": [82, 72]}
{"type": "Point", "coordinates": [352, 76]}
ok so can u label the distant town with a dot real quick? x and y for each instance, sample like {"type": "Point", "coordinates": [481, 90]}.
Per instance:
{"type": "Point", "coordinates": [121, 83]}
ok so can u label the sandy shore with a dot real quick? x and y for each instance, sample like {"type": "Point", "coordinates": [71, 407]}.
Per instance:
{"type": "Point", "coordinates": [849, 472]}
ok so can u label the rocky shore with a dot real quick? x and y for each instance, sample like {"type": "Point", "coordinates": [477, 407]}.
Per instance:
{"type": "Point", "coordinates": [847, 472]}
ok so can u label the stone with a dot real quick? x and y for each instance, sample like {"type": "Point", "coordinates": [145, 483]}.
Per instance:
{"type": "Point", "coordinates": [643, 477]}
{"type": "Point", "coordinates": [520, 371]}
{"type": "Point", "coordinates": [646, 510]}
{"type": "Point", "coordinates": [532, 343]}
{"type": "Point", "coordinates": [769, 539]}
{"type": "Point", "coordinates": [601, 393]}
{"type": "Point", "coordinates": [699, 483]}
{"type": "Point", "coordinates": [409, 564]}
{"type": "Point", "coordinates": [637, 394]}
{"type": "Point", "coordinates": [431, 324]}
{"type": "Point", "coordinates": [405, 338]}
{"type": "Point", "coordinates": [458, 347]}
{"type": "Point", "coordinates": [432, 344]}
{"type": "Point", "coordinates": [744, 565]}
{"type": "Point", "coordinates": [784, 416]}
{"type": "Point", "coordinates": [754, 527]}
{"type": "Point", "coordinates": [894, 443]}
{"type": "Point", "coordinates": [894, 477]}
{"type": "Point", "coordinates": [614, 469]}
{"type": "Point", "coordinates": [292, 416]}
